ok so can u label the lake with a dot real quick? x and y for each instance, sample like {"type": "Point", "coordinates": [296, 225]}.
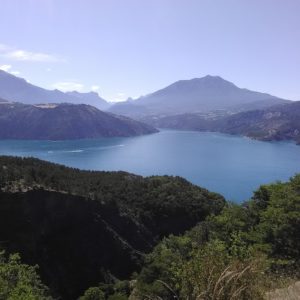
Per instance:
{"type": "Point", "coordinates": [231, 165]}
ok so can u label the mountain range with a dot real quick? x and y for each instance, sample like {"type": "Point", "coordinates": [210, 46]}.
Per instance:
{"type": "Point", "coordinates": [64, 121]}
{"type": "Point", "coordinates": [279, 122]}
{"type": "Point", "coordinates": [197, 95]}
{"type": "Point", "coordinates": [17, 89]}
{"type": "Point", "coordinates": [210, 103]}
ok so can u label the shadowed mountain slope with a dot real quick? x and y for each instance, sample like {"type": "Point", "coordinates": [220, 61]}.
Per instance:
{"type": "Point", "coordinates": [280, 122]}
{"type": "Point", "coordinates": [64, 121]}
{"type": "Point", "coordinates": [82, 227]}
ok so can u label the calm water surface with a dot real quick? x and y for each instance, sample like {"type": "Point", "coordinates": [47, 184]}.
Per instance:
{"type": "Point", "coordinates": [233, 166]}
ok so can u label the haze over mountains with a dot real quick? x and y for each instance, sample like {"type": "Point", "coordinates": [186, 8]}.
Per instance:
{"type": "Point", "coordinates": [17, 89]}
{"type": "Point", "coordinates": [209, 93]}
{"type": "Point", "coordinates": [210, 103]}
{"type": "Point", "coordinates": [205, 94]}
{"type": "Point", "coordinates": [91, 98]}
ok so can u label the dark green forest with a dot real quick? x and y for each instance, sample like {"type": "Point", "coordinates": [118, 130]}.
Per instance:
{"type": "Point", "coordinates": [71, 234]}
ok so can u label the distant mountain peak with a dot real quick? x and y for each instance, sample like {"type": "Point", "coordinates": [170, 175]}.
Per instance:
{"type": "Point", "coordinates": [208, 76]}
{"type": "Point", "coordinates": [203, 80]}
{"type": "Point", "coordinates": [206, 83]}
{"type": "Point", "coordinates": [213, 79]}
{"type": "Point", "coordinates": [205, 94]}
{"type": "Point", "coordinates": [4, 74]}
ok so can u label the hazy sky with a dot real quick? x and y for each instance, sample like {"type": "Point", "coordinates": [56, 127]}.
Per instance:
{"type": "Point", "coordinates": [123, 48]}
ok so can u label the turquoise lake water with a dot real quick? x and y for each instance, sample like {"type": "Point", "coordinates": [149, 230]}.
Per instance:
{"type": "Point", "coordinates": [233, 166]}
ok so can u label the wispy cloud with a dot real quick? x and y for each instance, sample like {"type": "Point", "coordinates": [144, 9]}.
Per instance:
{"type": "Point", "coordinates": [4, 47]}
{"type": "Point", "coordinates": [22, 55]}
{"type": "Point", "coordinates": [68, 86]}
{"type": "Point", "coordinates": [5, 68]}
{"type": "Point", "coordinates": [120, 97]}
{"type": "Point", "coordinates": [15, 54]}
{"type": "Point", "coordinates": [95, 88]}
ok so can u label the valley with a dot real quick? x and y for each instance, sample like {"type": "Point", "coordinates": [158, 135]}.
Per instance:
{"type": "Point", "coordinates": [203, 158]}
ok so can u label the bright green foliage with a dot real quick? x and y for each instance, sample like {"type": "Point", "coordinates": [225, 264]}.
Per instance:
{"type": "Point", "coordinates": [179, 268]}
{"type": "Point", "coordinates": [160, 275]}
{"type": "Point", "coordinates": [269, 222]}
{"type": "Point", "coordinates": [279, 225]}
{"type": "Point", "coordinates": [122, 288]}
{"type": "Point", "coordinates": [93, 293]}
{"type": "Point", "coordinates": [20, 281]}
{"type": "Point", "coordinates": [117, 296]}
{"type": "Point", "coordinates": [113, 291]}
{"type": "Point", "coordinates": [232, 255]}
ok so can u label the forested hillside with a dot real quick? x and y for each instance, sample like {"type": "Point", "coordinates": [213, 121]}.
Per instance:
{"type": "Point", "coordinates": [121, 236]}
{"type": "Point", "coordinates": [247, 251]}
{"type": "Point", "coordinates": [64, 122]}
{"type": "Point", "coordinates": [280, 122]}
{"type": "Point", "coordinates": [83, 227]}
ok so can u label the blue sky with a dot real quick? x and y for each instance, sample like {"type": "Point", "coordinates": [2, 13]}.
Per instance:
{"type": "Point", "coordinates": [123, 48]}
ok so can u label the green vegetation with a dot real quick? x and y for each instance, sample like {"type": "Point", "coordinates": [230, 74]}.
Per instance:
{"type": "Point", "coordinates": [115, 291]}
{"type": "Point", "coordinates": [239, 254]}
{"type": "Point", "coordinates": [64, 122]}
{"type": "Point", "coordinates": [87, 227]}
{"type": "Point", "coordinates": [165, 204]}
{"type": "Point", "coordinates": [93, 293]}
{"type": "Point", "coordinates": [275, 123]}
{"type": "Point", "coordinates": [83, 227]}
{"type": "Point", "coordinates": [20, 281]}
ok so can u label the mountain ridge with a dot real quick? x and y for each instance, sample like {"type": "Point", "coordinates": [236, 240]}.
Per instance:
{"type": "Point", "coordinates": [276, 123]}
{"type": "Point", "coordinates": [194, 95]}
{"type": "Point", "coordinates": [16, 89]}
{"type": "Point", "coordinates": [64, 121]}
